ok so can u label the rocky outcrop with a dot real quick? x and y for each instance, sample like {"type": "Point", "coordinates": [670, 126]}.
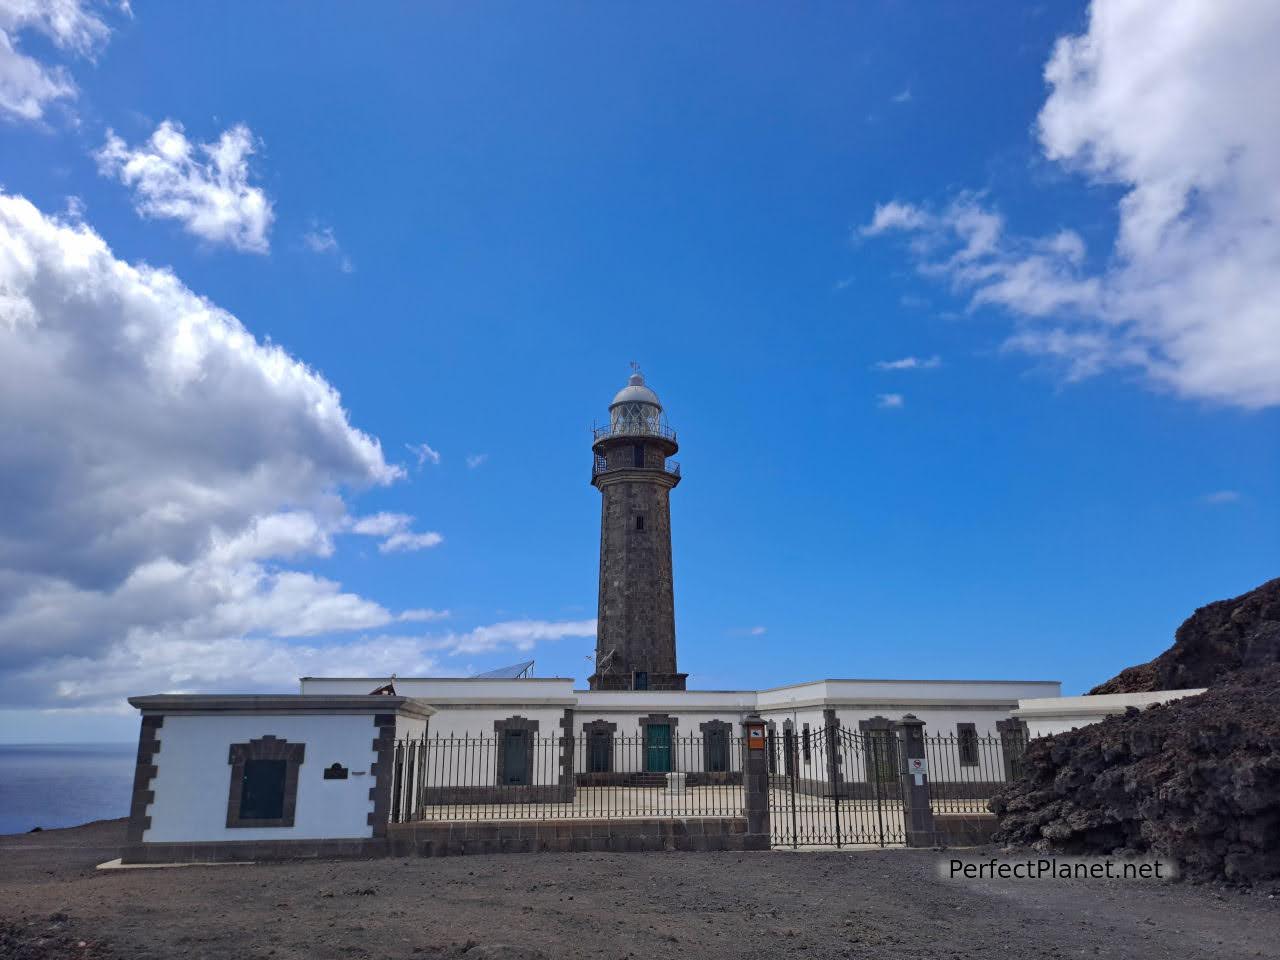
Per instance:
{"type": "Point", "coordinates": [1218, 639]}
{"type": "Point", "coordinates": [1196, 781]}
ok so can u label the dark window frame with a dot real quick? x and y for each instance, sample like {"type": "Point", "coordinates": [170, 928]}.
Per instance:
{"type": "Point", "coordinates": [715, 746]}
{"type": "Point", "coordinates": [637, 454]}
{"type": "Point", "coordinates": [967, 744]}
{"type": "Point", "coordinates": [640, 522]}
{"type": "Point", "coordinates": [880, 750]}
{"type": "Point", "coordinates": [593, 733]}
{"type": "Point", "coordinates": [264, 748]}
{"type": "Point", "coordinates": [529, 729]}
{"type": "Point", "coordinates": [1013, 744]}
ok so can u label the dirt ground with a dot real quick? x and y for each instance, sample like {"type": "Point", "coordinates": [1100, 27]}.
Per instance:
{"type": "Point", "coordinates": [883, 904]}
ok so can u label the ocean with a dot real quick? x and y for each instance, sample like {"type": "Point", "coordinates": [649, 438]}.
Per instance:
{"type": "Point", "coordinates": [64, 784]}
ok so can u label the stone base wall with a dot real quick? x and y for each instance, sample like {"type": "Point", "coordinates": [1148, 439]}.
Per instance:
{"type": "Point", "coordinates": [456, 838]}
{"type": "Point", "coordinates": [963, 830]}
{"type": "Point", "coordinates": [569, 836]}
{"type": "Point", "coordinates": [707, 778]}
{"type": "Point", "coordinates": [965, 789]}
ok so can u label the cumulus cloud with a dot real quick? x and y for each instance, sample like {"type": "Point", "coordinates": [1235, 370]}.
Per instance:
{"type": "Point", "coordinates": [153, 664]}
{"type": "Point", "coordinates": [910, 363]}
{"type": "Point", "coordinates": [322, 241]}
{"type": "Point", "coordinates": [28, 86]}
{"type": "Point", "coordinates": [889, 401]}
{"type": "Point", "coordinates": [161, 469]}
{"type": "Point", "coordinates": [204, 186]}
{"type": "Point", "coordinates": [1161, 99]}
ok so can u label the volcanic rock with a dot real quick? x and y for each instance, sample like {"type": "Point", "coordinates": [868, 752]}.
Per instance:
{"type": "Point", "coordinates": [1195, 781]}
{"type": "Point", "coordinates": [1221, 638]}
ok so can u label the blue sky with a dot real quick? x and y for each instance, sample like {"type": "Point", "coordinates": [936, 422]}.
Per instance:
{"type": "Point", "coordinates": [467, 219]}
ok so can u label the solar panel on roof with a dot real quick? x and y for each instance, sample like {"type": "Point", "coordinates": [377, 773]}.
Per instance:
{"type": "Point", "coordinates": [517, 671]}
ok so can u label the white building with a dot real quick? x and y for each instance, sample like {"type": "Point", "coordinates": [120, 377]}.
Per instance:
{"type": "Point", "coordinates": [324, 771]}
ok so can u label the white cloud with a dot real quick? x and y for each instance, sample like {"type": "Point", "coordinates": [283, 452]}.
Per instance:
{"type": "Point", "coordinates": [894, 216]}
{"type": "Point", "coordinates": [424, 453]}
{"type": "Point", "coordinates": [903, 97]}
{"type": "Point", "coordinates": [381, 524]}
{"type": "Point", "coordinates": [394, 528]}
{"type": "Point", "coordinates": [28, 86]}
{"type": "Point", "coordinates": [204, 186]}
{"type": "Point", "coordinates": [406, 541]}
{"type": "Point", "coordinates": [511, 634]}
{"type": "Point", "coordinates": [910, 363]}
{"type": "Point", "coordinates": [322, 240]}
{"type": "Point", "coordinates": [889, 401]}
{"type": "Point", "coordinates": [419, 615]}
{"type": "Point", "coordinates": [161, 465]}
{"type": "Point", "coordinates": [476, 459]}
{"type": "Point", "coordinates": [1165, 99]}
{"type": "Point", "coordinates": [1219, 497]}
{"type": "Point", "coordinates": [167, 664]}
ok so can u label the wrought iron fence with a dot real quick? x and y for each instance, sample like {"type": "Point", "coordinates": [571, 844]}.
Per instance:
{"type": "Point", "coordinates": [633, 427]}
{"type": "Point", "coordinates": [518, 775]}
{"type": "Point", "coordinates": [967, 769]}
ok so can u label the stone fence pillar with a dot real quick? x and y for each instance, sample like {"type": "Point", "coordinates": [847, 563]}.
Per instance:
{"type": "Point", "coordinates": [755, 782]}
{"type": "Point", "coordinates": [916, 807]}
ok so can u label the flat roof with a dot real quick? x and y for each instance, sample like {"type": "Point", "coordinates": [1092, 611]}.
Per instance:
{"type": "Point", "coordinates": [281, 703]}
{"type": "Point", "coordinates": [389, 679]}
{"type": "Point", "coordinates": [806, 683]}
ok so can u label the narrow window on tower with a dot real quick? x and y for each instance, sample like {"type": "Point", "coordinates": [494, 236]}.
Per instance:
{"type": "Point", "coordinates": [640, 522]}
{"type": "Point", "coordinates": [637, 451]}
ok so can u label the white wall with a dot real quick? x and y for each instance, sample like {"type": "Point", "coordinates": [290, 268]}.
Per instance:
{"type": "Point", "coordinates": [1048, 715]}
{"type": "Point", "coordinates": [917, 692]}
{"type": "Point", "coordinates": [193, 777]}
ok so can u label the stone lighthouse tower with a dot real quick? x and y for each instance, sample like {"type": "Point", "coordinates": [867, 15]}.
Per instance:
{"type": "Point", "coordinates": [636, 630]}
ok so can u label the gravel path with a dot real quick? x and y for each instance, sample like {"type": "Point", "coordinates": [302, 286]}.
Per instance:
{"type": "Point", "coordinates": [882, 904]}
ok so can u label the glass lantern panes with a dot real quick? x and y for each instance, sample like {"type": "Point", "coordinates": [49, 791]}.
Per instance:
{"type": "Point", "coordinates": [640, 418]}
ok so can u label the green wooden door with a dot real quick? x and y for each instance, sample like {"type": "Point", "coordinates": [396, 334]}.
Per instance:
{"type": "Point", "coordinates": [658, 748]}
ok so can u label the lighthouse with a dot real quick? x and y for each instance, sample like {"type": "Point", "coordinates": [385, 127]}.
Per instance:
{"type": "Point", "coordinates": [632, 469]}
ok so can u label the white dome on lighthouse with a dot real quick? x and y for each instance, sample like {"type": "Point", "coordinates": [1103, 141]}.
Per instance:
{"type": "Point", "coordinates": [636, 392]}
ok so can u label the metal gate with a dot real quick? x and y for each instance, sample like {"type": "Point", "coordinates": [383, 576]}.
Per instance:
{"type": "Point", "coordinates": [835, 787]}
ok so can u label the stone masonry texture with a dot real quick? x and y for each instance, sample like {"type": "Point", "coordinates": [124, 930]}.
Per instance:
{"type": "Point", "coordinates": [636, 603]}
